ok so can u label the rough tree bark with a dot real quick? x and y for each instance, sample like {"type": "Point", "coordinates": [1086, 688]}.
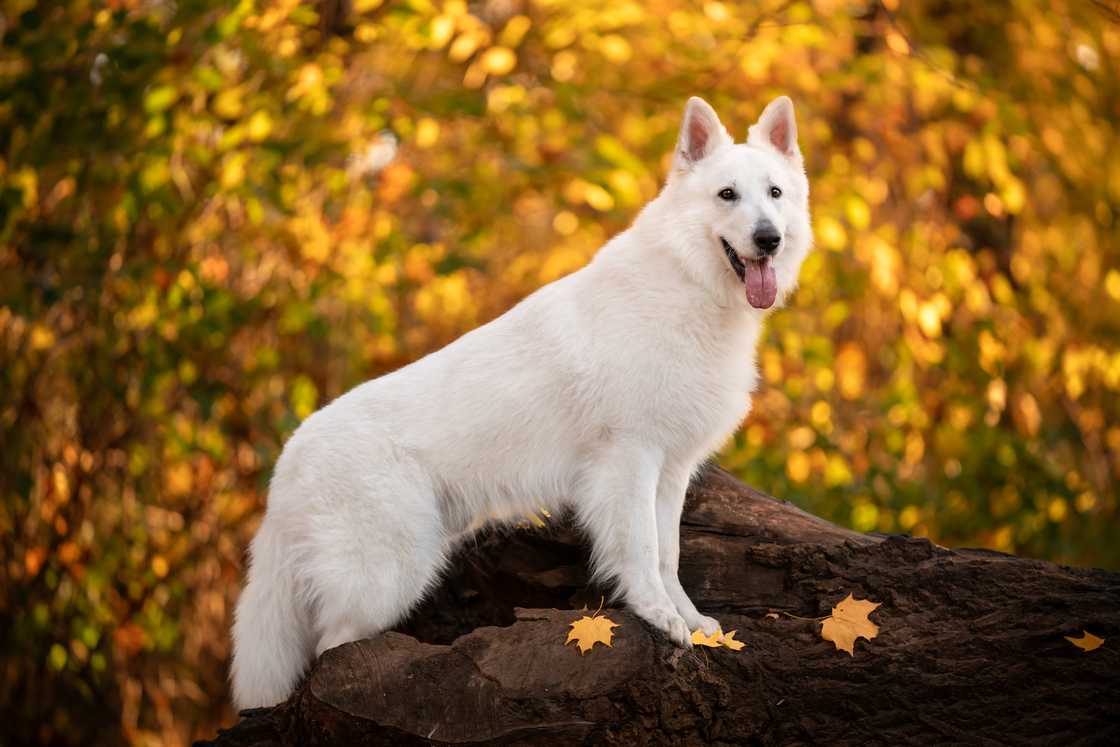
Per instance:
{"type": "Point", "coordinates": [971, 647]}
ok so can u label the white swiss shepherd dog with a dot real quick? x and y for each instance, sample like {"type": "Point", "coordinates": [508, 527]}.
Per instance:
{"type": "Point", "coordinates": [602, 392]}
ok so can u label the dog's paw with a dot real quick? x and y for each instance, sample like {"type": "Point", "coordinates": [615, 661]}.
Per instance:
{"type": "Point", "coordinates": [707, 625]}
{"type": "Point", "coordinates": [669, 622]}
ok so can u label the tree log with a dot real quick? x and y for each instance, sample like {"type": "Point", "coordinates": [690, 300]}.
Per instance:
{"type": "Point", "coordinates": [971, 647]}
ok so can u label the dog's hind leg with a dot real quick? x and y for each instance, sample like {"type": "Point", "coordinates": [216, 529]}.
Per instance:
{"type": "Point", "coordinates": [375, 554]}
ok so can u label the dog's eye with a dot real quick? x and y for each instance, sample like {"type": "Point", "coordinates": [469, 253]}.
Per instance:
{"type": "Point", "coordinates": [775, 192]}
{"type": "Point", "coordinates": [727, 193]}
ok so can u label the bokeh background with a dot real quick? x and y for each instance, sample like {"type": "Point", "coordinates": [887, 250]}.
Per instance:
{"type": "Point", "coordinates": [216, 216]}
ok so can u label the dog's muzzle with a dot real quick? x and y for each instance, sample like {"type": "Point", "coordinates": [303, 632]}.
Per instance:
{"type": "Point", "coordinates": [757, 275]}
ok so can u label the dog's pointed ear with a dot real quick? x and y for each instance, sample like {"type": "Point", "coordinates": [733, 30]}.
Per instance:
{"type": "Point", "coordinates": [701, 133]}
{"type": "Point", "coordinates": [777, 128]}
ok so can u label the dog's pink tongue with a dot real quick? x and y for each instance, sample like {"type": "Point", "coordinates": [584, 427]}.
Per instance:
{"type": "Point", "coordinates": [762, 285]}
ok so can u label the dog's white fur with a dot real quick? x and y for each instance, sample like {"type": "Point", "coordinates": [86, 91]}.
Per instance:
{"type": "Point", "coordinates": [603, 392]}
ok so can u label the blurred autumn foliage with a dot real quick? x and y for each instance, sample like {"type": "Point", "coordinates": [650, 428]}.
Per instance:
{"type": "Point", "coordinates": [215, 217]}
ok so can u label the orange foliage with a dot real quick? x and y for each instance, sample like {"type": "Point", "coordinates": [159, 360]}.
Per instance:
{"type": "Point", "coordinates": [216, 217]}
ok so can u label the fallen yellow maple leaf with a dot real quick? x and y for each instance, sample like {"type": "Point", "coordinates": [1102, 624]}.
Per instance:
{"type": "Point", "coordinates": [730, 642]}
{"type": "Point", "coordinates": [587, 631]}
{"type": "Point", "coordinates": [1087, 642]}
{"type": "Point", "coordinates": [711, 641]}
{"type": "Point", "coordinates": [717, 639]}
{"type": "Point", "coordinates": [848, 622]}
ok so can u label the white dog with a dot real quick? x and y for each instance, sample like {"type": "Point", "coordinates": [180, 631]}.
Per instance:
{"type": "Point", "coordinates": [602, 392]}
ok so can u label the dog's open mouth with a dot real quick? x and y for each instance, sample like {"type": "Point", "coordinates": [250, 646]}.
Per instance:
{"type": "Point", "coordinates": [756, 274]}
{"type": "Point", "coordinates": [733, 257]}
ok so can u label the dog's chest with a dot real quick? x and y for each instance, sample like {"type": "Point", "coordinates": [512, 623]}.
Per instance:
{"type": "Point", "coordinates": [708, 397]}
{"type": "Point", "coordinates": [690, 384]}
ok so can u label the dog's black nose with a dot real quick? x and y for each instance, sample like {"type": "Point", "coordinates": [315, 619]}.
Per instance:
{"type": "Point", "coordinates": [767, 239]}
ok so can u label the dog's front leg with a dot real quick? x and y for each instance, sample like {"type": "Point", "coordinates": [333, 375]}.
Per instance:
{"type": "Point", "coordinates": [620, 513]}
{"type": "Point", "coordinates": [671, 490]}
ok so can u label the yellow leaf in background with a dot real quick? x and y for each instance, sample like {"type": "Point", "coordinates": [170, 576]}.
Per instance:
{"type": "Point", "coordinates": [857, 212]}
{"type": "Point", "coordinates": [179, 479]}
{"type": "Point", "coordinates": [830, 234]}
{"type": "Point", "coordinates": [260, 126]}
{"type": "Point", "coordinates": [229, 104]}
{"type": "Point", "coordinates": [837, 471]}
{"type": "Point", "coordinates": [160, 98]}
{"type": "Point", "coordinates": [427, 132]}
{"type": "Point", "coordinates": [515, 31]}
{"type": "Point", "coordinates": [587, 631]}
{"type": "Point", "coordinates": [1112, 284]}
{"type": "Point", "coordinates": [498, 60]}
{"type": "Point", "coordinates": [304, 396]}
{"type": "Point", "coordinates": [798, 466]}
{"type": "Point", "coordinates": [625, 185]}
{"type": "Point", "coordinates": [997, 395]}
{"type": "Point", "coordinates": [929, 320]}
{"type": "Point", "coordinates": [711, 641]}
{"type": "Point", "coordinates": [155, 175]}
{"type": "Point", "coordinates": [564, 65]}
{"type": "Point", "coordinates": [61, 483]}
{"type": "Point", "coordinates": [897, 43]}
{"type": "Point", "coordinates": [309, 80]}
{"type": "Point", "coordinates": [615, 48]}
{"type": "Point", "coordinates": [851, 371]}
{"type": "Point", "coordinates": [565, 223]}
{"type": "Point", "coordinates": [233, 170]}
{"type": "Point", "coordinates": [42, 337]}
{"type": "Point", "coordinates": [463, 47]}
{"type": "Point", "coordinates": [598, 198]}
{"type": "Point", "coordinates": [1014, 195]}
{"type": "Point", "coordinates": [1030, 416]}
{"type": "Point", "coordinates": [716, 11]}
{"type": "Point", "coordinates": [849, 621]}
{"type": "Point", "coordinates": [440, 32]}
{"type": "Point", "coordinates": [27, 180]}
{"type": "Point", "coordinates": [1087, 642]}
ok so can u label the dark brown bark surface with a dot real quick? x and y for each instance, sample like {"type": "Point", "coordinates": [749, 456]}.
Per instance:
{"type": "Point", "coordinates": [971, 647]}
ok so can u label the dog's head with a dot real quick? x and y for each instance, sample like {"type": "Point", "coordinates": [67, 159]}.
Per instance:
{"type": "Point", "coordinates": [744, 208]}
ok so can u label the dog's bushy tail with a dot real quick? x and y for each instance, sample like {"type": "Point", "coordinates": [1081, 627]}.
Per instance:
{"type": "Point", "coordinates": [271, 638]}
